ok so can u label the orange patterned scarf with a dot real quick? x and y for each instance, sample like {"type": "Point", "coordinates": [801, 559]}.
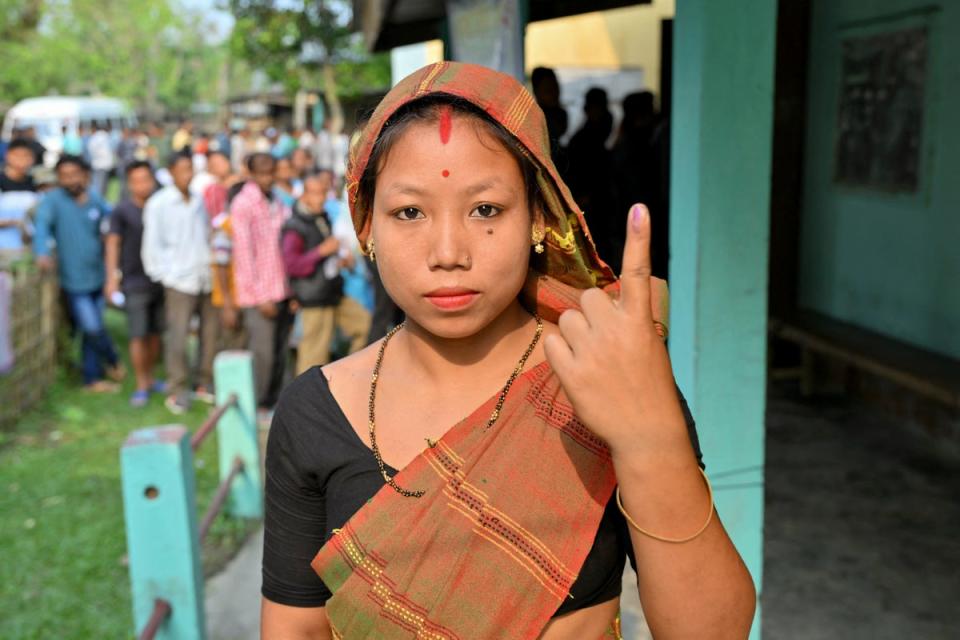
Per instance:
{"type": "Point", "coordinates": [510, 513]}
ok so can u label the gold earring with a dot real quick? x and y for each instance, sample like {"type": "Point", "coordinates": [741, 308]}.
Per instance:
{"type": "Point", "coordinates": [371, 251]}
{"type": "Point", "coordinates": [537, 237]}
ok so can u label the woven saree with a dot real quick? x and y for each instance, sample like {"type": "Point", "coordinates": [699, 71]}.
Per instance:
{"type": "Point", "coordinates": [509, 513]}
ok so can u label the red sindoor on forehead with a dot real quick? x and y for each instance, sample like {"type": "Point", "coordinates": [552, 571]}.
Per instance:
{"type": "Point", "coordinates": [445, 173]}
{"type": "Point", "coordinates": [446, 123]}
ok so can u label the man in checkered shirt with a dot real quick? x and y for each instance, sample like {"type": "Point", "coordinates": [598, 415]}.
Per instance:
{"type": "Point", "coordinates": [262, 292]}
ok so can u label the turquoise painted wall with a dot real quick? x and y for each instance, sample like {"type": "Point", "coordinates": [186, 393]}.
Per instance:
{"type": "Point", "coordinates": [721, 128]}
{"type": "Point", "coordinates": [886, 262]}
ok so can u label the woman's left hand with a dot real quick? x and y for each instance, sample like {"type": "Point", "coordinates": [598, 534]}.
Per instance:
{"type": "Point", "coordinates": [613, 364]}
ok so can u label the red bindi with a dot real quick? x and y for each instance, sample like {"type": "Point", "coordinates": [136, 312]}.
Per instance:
{"type": "Point", "coordinates": [446, 123]}
{"type": "Point", "coordinates": [446, 174]}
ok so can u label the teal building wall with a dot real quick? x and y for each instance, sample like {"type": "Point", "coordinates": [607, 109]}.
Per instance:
{"type": "Point", "coordinates": [721, 128]}
{"type": "Point", "coordinates": [885, 261]}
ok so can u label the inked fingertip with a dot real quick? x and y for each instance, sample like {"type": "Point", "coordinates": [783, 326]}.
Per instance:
{"type": "Point", "coordinates": [637, 214]}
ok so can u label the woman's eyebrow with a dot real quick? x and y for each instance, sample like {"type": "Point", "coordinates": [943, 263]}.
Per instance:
{"type": "Point", "coordinates": [407, 189]}
{"type": "Point", "coordinates": [480, 187]}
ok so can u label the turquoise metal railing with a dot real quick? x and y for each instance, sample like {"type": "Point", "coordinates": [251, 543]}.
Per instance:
{"type": "Point", "coordinates": [159, 499]}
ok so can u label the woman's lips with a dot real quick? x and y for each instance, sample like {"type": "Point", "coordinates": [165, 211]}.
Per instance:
{"type": "Point", "coordinates": [452, 298]}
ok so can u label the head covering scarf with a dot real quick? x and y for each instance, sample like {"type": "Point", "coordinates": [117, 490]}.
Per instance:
{"type": "Point", "coordinates": [509, 513]}
{"type": "Point", "coordinates": [570, 262]}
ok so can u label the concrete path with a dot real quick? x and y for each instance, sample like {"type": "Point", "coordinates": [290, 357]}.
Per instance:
{"type": "Point", "coordinates": [233, 595]}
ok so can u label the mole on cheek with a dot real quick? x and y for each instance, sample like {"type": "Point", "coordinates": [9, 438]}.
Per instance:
{"type": "Point", "coordinates": [489, 232]}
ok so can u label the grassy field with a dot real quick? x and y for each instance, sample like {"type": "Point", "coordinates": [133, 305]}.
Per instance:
{"type": "Point", "coordinates": [62, 545]}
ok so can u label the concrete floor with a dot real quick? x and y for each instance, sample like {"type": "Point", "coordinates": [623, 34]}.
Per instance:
{"type": "Point", "coordinates": [862, 535]}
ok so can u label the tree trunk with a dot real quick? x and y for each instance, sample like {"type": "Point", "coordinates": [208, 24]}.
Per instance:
{"type": "Point", "coordinates": [333, 100]}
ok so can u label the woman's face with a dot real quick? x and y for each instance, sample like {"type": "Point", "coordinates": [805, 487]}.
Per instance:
{"type": "Point", "coordinates": [451, 226]}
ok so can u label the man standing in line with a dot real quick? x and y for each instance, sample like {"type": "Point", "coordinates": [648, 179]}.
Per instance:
{"type": "Point", "coordinates": [102, 159]}
{"type": "Point", "coordinates": [143, 298]}
{"type": "Point", "coordinates": [176, 254]}
{"type": "Point", "coordinates": [17, 194]}
{"type": "Point", "coordinates": [73, 216]}
{"type": "Point", "coordinates": [256, 217]}
{"type": "Point", "coordinates": [312, 256]}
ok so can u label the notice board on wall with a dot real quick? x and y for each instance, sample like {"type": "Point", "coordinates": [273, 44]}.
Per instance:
{"type": "Point", "coordinates": [880, 114]}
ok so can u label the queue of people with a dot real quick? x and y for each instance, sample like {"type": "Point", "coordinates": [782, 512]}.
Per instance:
{"type": "Point", "coordinates": [240, 238]}
{"type": "Point", "coordinates": [242, 257]}
{"type": "Point", "coordinates": [609, 168]}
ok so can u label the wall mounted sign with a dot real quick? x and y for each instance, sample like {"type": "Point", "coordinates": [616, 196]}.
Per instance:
{"type": "Point", "coordinates": [880, 119]}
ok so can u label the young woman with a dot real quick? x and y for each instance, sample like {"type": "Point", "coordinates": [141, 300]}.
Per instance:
{"type": "Point", "coordinates": [457, 479]}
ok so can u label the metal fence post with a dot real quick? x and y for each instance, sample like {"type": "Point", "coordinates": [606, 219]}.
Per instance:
{"type": "Point", "coordinates": [237, 431]}
{"type": "Point", "coordinates": [159, 503]}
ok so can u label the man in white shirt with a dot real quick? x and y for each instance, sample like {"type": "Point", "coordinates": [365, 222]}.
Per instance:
{"type": "Point", "coordinates": [102, 160]}
{"type": "Point", "coordinates": [176, 254]}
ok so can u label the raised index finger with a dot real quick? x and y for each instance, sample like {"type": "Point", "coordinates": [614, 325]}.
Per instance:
{"type": "Point", "coordinates": [635, 276]}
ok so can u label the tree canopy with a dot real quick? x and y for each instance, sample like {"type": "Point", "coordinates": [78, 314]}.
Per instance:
{"type": "Point", "coordinates": [155, 53]}
{"type": "Point", "coordinates": [308, 44]}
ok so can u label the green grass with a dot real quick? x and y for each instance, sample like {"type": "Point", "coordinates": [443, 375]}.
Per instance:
{"type": "Point", "coordinates": [62, 544]}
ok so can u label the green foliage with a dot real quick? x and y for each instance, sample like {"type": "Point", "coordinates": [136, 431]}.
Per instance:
{"type": "Point", "coordinates": [18, 18]}
{"type": "Point", "coordinates": [62, 539]}
{"type": "Point", "coordinates": [152, 52]}
{"type": "Point", "coordinates": [292, 41]}
{"type": "Point", "coordinates": [361, 73]}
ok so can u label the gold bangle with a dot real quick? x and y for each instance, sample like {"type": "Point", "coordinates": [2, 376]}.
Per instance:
{"type": "Point", "coordinates": [671, 540]}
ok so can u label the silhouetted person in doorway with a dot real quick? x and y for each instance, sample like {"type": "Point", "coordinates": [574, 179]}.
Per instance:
{"type": "Point", "coordinates": [589, 175]}
{"type": "Point", "coordinates": [546, 91]}
{"type": "Point", "coordinates": [639, 170]}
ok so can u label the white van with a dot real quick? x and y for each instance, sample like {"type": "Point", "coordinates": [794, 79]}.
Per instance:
{"type": "Point", "coordinates": [50, 115]}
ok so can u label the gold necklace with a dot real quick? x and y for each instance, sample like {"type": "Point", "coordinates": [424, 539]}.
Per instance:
{"type": "Point", "coordinates": [493, 416]}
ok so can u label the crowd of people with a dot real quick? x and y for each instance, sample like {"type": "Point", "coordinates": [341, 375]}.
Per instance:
{"type": "Point", "coordinates": [608, 169]}
{"type": "Point", "coordinates": [185, 248]}
{"type": "Point", "coordinates": [240, 239]}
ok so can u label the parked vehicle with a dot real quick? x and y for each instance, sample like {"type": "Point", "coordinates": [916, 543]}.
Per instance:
{"type": "Point", "coordinates": [52, 116]}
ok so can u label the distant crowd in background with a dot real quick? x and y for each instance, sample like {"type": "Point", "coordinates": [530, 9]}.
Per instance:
{"type": "Point", "coordinates": [240, 239]}
{"type": "Point", "coordinates": [243, 239]}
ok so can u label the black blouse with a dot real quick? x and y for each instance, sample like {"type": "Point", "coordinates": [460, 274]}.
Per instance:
{"type": "Point", "coordinates": [319, 473]}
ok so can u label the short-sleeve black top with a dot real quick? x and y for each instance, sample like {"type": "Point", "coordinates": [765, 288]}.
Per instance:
{"type": "Point", "coordinates": [319, 473]}
{"type": "Point", "coordinates": [127, 222]}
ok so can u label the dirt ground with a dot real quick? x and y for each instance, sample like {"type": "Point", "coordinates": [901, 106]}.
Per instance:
{"type": "Point", "coordinates": [862, 533]}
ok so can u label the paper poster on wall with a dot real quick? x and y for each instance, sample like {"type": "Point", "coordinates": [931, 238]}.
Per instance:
{"type": "Point", "coordinates": [487, 32]}
{"type": "Point", "coordinates": [880, 117]}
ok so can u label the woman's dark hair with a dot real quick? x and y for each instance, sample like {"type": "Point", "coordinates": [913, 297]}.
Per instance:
{"type": "Point", "coordinates": [427, 110]}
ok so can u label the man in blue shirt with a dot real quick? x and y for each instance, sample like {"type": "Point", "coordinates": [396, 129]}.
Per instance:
{"type": "Point", "coordinates": [74, 217]}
